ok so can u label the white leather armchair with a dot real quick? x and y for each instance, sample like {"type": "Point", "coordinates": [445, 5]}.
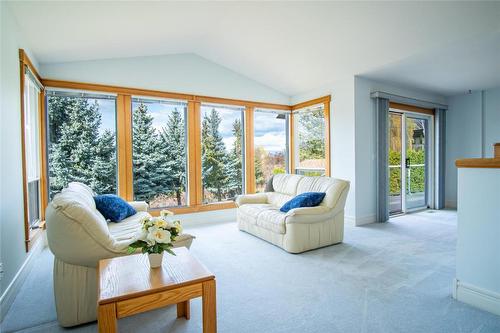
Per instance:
{"type": "Point", "coordinates": [300, 229]}
{"type": "Point", "coordinates": [79, 237]}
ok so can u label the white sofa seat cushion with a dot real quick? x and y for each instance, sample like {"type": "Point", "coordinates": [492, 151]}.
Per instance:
{"type": "Point", "coordinates": [272, 219]}
{"type": "Point", "coordinates": [127, 228]}
{"type": "Point", "coordinates": [252, 211]}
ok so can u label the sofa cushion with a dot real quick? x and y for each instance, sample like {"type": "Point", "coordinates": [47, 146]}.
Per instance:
{"type": "Point", "coordinates": [306, 199]}
{"type": "Point", "coordinates": [252, 211]}
{"type": "Point", "coordinates": [286, 183]}
{"type": "Point", "coordinates": [331, 186]}
{"type": "Point", "coordinates": [277, 199]}
{"type": "Point", "coordinates": [272, 219]}
{"type": "Point", "coordinates": [113, 208]}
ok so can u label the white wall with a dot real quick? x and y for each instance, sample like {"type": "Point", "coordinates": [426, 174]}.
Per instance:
{"type": "Point", "coordinates": [181, 73]}
{"type": "Point", "coordinates": [12, 248]}
{"type": "Point", "coordinates": [472, 127]}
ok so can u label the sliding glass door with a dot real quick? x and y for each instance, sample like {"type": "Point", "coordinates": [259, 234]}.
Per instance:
{"type": "Point", "coordinates": [409, 162]}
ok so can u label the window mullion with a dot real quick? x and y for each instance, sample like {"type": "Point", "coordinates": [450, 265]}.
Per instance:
{"type": "Point", "coordinates": [249, 150]}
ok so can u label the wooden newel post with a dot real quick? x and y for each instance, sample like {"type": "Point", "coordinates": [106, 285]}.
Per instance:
{"type": "Point", "coordinates": [497, 149]}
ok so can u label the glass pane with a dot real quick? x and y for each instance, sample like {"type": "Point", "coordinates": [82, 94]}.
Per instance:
{"type": "Point", "coordinates": [82, 141]}
{"type": "Point", "coordinates": [159, 152]}
{"type": "Point", "coordinates": [310, 143]}
{"type": "Point", "coordinates": [415, 161]}
{"type": "Point", "coordinates": [270, 144]}
{"type": "Point", "coordinates": [395, 149]}
{"type": "Point", "coordinates": [222, 152]}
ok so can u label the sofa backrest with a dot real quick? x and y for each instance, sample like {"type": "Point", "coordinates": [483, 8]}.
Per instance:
{"type": "Point", "coordinates": [77, 232]}
{"type": "Point", "coordinates": [333, 187]}
{"type": "Point", "coordinates": [286, 186]}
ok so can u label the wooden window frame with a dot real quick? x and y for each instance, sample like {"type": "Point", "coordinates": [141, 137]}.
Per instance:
{"type": "Point", "coordinates": [325, 100]}
{"type": "Point", "coordinates": [30, 235]}
{"type": "Point", "coordinates": [194, 202]}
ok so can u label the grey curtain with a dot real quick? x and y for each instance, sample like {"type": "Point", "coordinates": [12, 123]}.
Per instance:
{"type": "Point", "coordinates": [382, 116]}
{"type": "Point", "coordinates": [440, 126]}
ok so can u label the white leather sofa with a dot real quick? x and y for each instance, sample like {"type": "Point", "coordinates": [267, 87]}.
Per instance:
{"type": "Point", "coordinates": [300, 229]}
{"type": "Point", "coordinates": [79, 237]}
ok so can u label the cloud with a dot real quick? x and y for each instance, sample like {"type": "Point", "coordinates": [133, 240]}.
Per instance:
{"type": "Point", "coordinates": [271, 142]}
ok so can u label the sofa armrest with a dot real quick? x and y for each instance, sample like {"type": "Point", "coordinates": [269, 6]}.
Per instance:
{"type": "Point", "coordinates": [140, 206]}
{"type": "Point", "coordinates": [318, 210]}
{"type": "Point", "coordinates": [258, 198]}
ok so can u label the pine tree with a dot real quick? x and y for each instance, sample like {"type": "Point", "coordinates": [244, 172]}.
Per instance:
{"type": "Point", "coordinates": [77, 147]}
{"type": "Point", "coordinates": [213, 156]}
{"type": "Point", "coordinates": [234, 165]}
{"type": "Point", "coordinates": [151, 174]}
{"type": "Point", "coordinates": [104, 170]}
{"type": "Point", "coordinates": [173, 139]}
{"type": "Point", "coordinates": [259, 155]}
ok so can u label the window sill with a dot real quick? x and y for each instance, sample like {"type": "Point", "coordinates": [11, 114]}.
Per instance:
{"type": "Point", "coordinates": [195, 209]}
{"type": "Point", "coordinates": [34, 234]}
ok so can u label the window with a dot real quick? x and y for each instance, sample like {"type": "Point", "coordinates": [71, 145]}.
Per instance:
{"type": "Point", "coordinates": [159, 140]}
{"type": "Point", "coordinates": [222, 160]}
{"type": "Point", "coordinates": [31, 118]}
{"type": "Point", "coordinates": [270, 145]}
{"type": "Point", "coordinates": [82, 140]}
{"type": "Point", "coordinates": [310, 149]}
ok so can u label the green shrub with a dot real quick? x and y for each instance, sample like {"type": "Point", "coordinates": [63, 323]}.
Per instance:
{"type": "Point", "coordinates": [417, 173]}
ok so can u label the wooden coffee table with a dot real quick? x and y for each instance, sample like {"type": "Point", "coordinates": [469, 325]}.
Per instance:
{"type": "Point", "coordinates": [127, 286]}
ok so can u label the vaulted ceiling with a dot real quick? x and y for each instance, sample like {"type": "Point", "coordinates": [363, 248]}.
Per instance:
{"type": "Point", "coordinates": [294, 47]}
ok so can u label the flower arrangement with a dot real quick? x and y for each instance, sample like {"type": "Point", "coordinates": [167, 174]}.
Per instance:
{"type": "Point", "coordinates": [156, 234]}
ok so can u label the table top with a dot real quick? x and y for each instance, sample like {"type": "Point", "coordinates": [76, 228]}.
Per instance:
{"type": "Point", "coordinates": [131, 276]}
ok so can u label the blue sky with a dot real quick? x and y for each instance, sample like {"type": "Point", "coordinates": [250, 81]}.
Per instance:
{"type": "Point", "coordinates": [270, 132]}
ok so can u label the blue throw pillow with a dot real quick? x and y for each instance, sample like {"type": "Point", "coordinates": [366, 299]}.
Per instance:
{"type": "Point", "coordinates": [307, 199]}
{"type": "Point", "coordinates": [113, 208]}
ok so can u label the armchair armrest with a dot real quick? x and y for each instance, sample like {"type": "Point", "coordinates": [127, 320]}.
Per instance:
{"type": "Point", "coordinates": [140, 206]}
{"type": "Point", "coordinates": [258, 198]}
{"type": "Point", "coordinates": [318, 210]}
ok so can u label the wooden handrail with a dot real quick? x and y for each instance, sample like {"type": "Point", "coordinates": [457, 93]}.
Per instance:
{"type": "Point", "coordinates": [481, 162]}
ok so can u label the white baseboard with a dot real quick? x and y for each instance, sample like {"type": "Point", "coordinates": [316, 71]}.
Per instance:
{"type": "Point", "coordinates": [12, 289]}
{"type": "Point", "coordinates": [481, 298]}
{"type": "Point", "coordinates": [362, 220]}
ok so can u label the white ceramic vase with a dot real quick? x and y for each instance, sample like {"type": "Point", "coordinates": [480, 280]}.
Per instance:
{"type": "Point", "coordinates": [155, 259]}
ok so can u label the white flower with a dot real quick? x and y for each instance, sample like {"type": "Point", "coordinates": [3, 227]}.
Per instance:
{"type": "Point", "coordinates": [141, 234]}
{"type": "Point", "coordinates": [161, 224]}
{"type": "Point", "coordinates": [178, 226]}
{"type": "Point", "coordinates": [158, 235]}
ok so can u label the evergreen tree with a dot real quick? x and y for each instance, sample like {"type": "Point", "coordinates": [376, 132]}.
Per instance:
{"type": "Point", "coordinates": [173, 139]}
{"type": "Point", "coordinates": [213, 156]}
{"type": "Point", "coordinates": [79, 153]}
{"type": "Point", "coordinates": [151, 176]}
{"type": "Point", "coordinates": [259, 155]}
{"type": "Point", "coordinates": [234, 165]}
{"type": "Point", "coordinates": [104, 170]}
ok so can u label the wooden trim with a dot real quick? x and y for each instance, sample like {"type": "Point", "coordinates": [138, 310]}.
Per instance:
{"type": "Point", "coordinates": [478, 163]}
{"type": "Point", "coordinates": [291, 145]}
{"type": "Point", "coordinates": [23, 155]}
{"type": "Point", "coordinates": [44, 200]}
{"type": "Point", "coordinates": [156, 93]}
{"type": "Point", "coordinates": [124, 149]}
{"type": "Point", "coordinates": [195, 208]}
{"type": "Point", "coordinates": [197, 152]}
{"type": "Point", "coordinates": [411, 108]}
{"type": "Point", "coordinates": [191, 153]}
{"type": "Point", "coordinates": [249, 151]}
{"type": "Point", "coordinates": [328, 161]}
{"type": "Point", "coordinates": [496, 148]}
{"type": "Point", "coordinates": [321, 100]}
{"type": "Point", "coordinates": [23, 57]}
{"type": "Point", "coordinates": [156, 300]}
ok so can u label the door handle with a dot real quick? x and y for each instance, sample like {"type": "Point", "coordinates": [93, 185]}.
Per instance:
{"type": "Point", "coordinates": [407, 163]}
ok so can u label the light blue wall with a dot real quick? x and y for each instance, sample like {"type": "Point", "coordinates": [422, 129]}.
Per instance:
{"type": "Point", "coordinates": [473, 126]}
{"type": "Point", "coordinates": [181, 73]}
{"type": "Point", "coordinates": [12, 250]}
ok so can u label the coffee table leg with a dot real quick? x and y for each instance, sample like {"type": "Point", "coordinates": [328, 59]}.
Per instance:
{"type": "Point", "coordinates": [106, 318]}
{"type": "Point", "coordinates": [209, 307]}
{"type": "Point", "coordinates": [184, 310]}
